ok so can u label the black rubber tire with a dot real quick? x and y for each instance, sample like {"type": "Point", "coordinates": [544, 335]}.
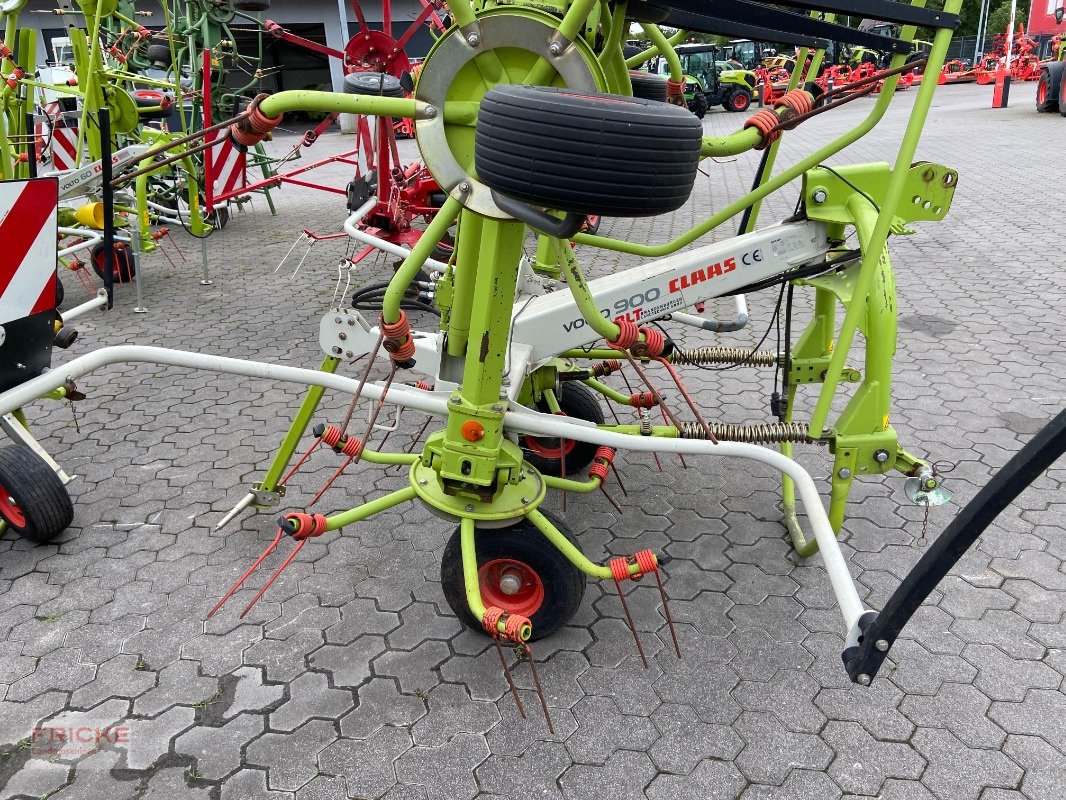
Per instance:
{"type": "Point", "coordinates": [38, 498]}
{"type": "Point", "coordinates": [150, 102]}
{"type": "Point", "coordinates": [61, 292]}
{"type": "Point", "coordinates": [378, 84]}
{"type": "Point", "coordinates": [699, 104]}
{"type": "Point", "coordinates": [122, 266]}
{"type": "Point", "coordinates": [251, 5]}
{"type": "Point", "coordinates": [1062, 89]}
{"type": "Point", "coordinates": [218, 218]}
{"type": "Point", "coordinates": [647, 86]}
{"type": "Point", "coordinates": [564, 584]}
{"type": "Point", "coordinates": [589, 153]}
{"type": "Point", "coordinates": [580, 402]}
{"type": "Point", "coordinates": [738, 100]}
{"type": "Point", "coordinates": [1050, 82]}
{"type": "Point", "coordinates": [158, 54]}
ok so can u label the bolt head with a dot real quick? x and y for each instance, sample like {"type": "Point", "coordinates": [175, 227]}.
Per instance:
{"type": "Point", "coordinates": [469, 507]}
{"type": "Point", "coordinates": [844, 473]}
{"type": "Point", "coordinates": [881, 456]}
{"type": "Point", "coordinates": [430, 112]}
{"type": "Point", "coordinates": [336, 351]}
{"type": "Point", "coordinates": [525, 501]}
{"type": "Point", "coordinates": [454, 401]}
{"type": "Point", "coordinates": [338, 320]}
{"type": "Point", "coordinates": [464, 187]}
{"type": "Point", "coordinates": [473, 39]}
{"type": "Point", "coordinates": [864, 679]}
{"type": "Point", "coordinates": [555, 48]}
{"type": "Point", "coordinates": [820, 196]}
{"type": "Point", "coordinates": [510, 583]}
{"type": "Point", "coordinates": [342, 336]}
{"type": "Point", "coordinates": [881, 645]}
{"type": "Point", "coordinates": [422, 482]}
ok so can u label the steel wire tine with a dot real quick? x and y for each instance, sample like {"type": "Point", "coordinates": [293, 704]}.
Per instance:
{"type": "Point", "coordinates": [688, 399]}
{"type": "Point", "coordinates": [362, 383]}
{"type": "Point", "coordinates": [233, 589]}
{"type": "Point", "coordinates": [274, 577]}
{"type": "Point", "coordinates": [417, 438]}
{"type": "Point", "coordinates": [303, 258]}
{"type": "Point", "coordinates": [536, 682]}
{"type": "Point", "coordinates": [640, 416]}
{"type": "Point", "coordinates": [680, 456]}
{"type": "Point", "coordinates": [281, 263]}
{"type": "Point", "coordinates": [618, 477]}
{"type": "Point", "coordinates": [299, 463]}
{"type": "Point", "coordinates": [611, 500]}
{"type": "Point", "coordinates": [629, 619]}
{"type": "Point", "coordinates": [510, 679]}
{"type": "Point", "coordinates": [666, 611]}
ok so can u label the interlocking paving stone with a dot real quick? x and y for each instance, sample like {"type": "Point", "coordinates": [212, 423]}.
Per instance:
{"type": "Point", "coordinates": [357, 632]}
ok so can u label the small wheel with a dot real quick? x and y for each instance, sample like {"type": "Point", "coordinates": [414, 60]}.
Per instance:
{"type": "Point", "coordinates": [218, 218]}
{"type": "Point", "coordinates": [251, 5]}
{"type": "Point", "coordinates": [61, 292]}
{"type": "Point", "coordinates": [738, 100]}
{"type": "Point", "coordinates": [159, 54]}
{"type": "Point", "coordinates": [122, 266]}
{"type": "Point", "coordinates": [647, 86]}
{"type": "Point", "coordinates": [699, 104]}
{"type": "Point", "coordinates": [378, 84]}
{"type": "Point", "coordinates": [520, 571]}
{"type": "Point", "coordinates": [586, 153]}
{"type": "Point", "coordinates": [546, 453]}
{"type": "Point", "coordinates": [592, 225]}
{"type": "Point", "coordinates": [151, 99]}
{"type": "Point", "coordinates": [33, 500]}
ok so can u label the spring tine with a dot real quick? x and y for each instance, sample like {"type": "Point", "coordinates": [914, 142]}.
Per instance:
{"type": "Point", "coordinates": [688, 398]}
{"type": "Point", "coordinates": [329, 483]}
{"type": "Point", "coordinates": [618, 477]}
{"type": "Point", "coordinates": [233, 589]}
{"type": "Point", "coordinates": [362, 383]}
{"type": "Point", "coordinates": [510, 680]}
{"type": "Point", "coordinates": [166, 255]}
{"type": "Point", "coordinates": [680, 456]}
{"type": "Point", "coordinates": [666, 611]}
{"type": "Point", "coordinates": [415, 440]}
{"type": "Point", "coordinates": [632, 625]}
{"type": "Point", "coordinates": [179, 251]}
{"type": "Point", "coordinates": [299, 463]}
{"type": "Point", "coordinates": [611, 500]}
{"type": "Point", "coordinates": [303, 258]}
{"type": "Point", "coordinates": [281, 263]}
{"type": "Point", "coordinates": [274, 577]}
{"type": "Point", "coordinates": [540, 692]}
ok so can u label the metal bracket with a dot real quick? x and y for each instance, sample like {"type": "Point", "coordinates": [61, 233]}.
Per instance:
{"type": "Point", "coordinates": [263, 498]}
{"type": "Point", "coordinates": [927, 194]}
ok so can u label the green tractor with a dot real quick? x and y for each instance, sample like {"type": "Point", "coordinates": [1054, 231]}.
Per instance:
{"type": "Point", "coordinates": [711, 79]}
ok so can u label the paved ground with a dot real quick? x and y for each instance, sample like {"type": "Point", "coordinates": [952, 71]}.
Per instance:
{"type": "Point", "coordinates": [351, 679]}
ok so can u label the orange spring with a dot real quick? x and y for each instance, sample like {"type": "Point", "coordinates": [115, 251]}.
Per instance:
{"type": "Point", "coordinates": [606, 367]}
{"type": "Point", "coordinates": [675, 87]}
{"type": "Point", "coordinates": [160, 233]}
{"type": "Point", "coordinates": [601, 462]}
{"type": "Point", "coordinates": [798, 100]}
{"type": "Point", "coordinates": [308, 525]}
{"type": "Point", "coordinates": [645, 561]}
{"type": "Point", "coordinates": [643, 400]}
{"type": "Point", "coordinates": [352, 447]}
{"type": "Point", "coordinates": [628, 335]}
{"type": "Point", "coordinates": [331, 435]}
{"type": "Point", "coordinates": [398, 341]}
{"type": "Point", "coordinates": [764, 121]}
{"type": "Point", "coordinates": [513, 627]}
{"type": "Point", "coordinates": [251, 130]}
{"type": "Point", "coordinates": [490, 618]}
{"type": "Point", "coordinates": [654, 341]}
{"type": "Point", "coordinates": [425, 386]}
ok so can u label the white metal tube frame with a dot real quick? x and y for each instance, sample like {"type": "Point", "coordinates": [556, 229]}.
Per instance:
{"type": "Point", "coordinates": [518, 420]}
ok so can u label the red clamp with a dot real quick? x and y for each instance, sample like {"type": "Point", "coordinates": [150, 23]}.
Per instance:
{"type": "Point", "coordinates": [601, 462]}
{"type": "Point", "coordinates": [398, 341]}
{"type": "Point", "coordinates": [643, 400]}
{"type": "Point", "coordinates": [303, 526]}
{"type": "Point", "coordinates": [766, 122]}
{"type": "Point", "coordinates": [514, 624]}
{"type": "Point", "coordinates": [645, 560]}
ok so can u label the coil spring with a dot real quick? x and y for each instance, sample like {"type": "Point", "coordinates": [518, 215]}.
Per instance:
{"type": "Point", "coordinates": [724, 355]}
{"type": "Point", "coordinates": [765, 433]}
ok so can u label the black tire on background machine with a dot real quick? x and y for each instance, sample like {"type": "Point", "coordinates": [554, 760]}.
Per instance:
{"type": "Point", "coordinates": [252, 6]}
{"type": "Point", "coordinates": [158, 54]}
{"type": "Point", "coordinates": [378, 84]}
{"type": "Point", "coordinates": [587, 153]}
{"type": "Point", "coordinates": [1050, 86]}
{"type": "Point", "coordinates": [647, 86]}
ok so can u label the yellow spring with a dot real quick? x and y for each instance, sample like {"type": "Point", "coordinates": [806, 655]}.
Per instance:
{"type": "Point", "coordinates": [724, 355]}
{"type": "Point", "coordinates": [765, 433]}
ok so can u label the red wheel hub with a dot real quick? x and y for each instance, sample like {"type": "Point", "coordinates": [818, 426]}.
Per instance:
{"type": "Point", "coordinates": [11, 511]}
{"type": "Point", "coordinates": [550, 448]}
{"type": "Point", "coordinates": [512, 585]}
{"type": "Point", "coordinates": [738, 101]}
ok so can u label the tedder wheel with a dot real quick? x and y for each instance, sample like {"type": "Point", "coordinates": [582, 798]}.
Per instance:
{"type": "Point", "coordinates": [61, 292]}
{"type": "Point", "coordinates": [647, 86]}
{"type": "Point", "coordinates": [1047, 88]}
{"type": "Point", "coordinates": [586, 153]}
{"type": "Point", "coordinates": [546, 453]}
{"type": "Point", "coordinates": [520, 571]}
{"type": "Point", "coordinates": [699, 104]}
{"type": "Point", "coordinates": [159, 54]}
{"type": "Point", "coordinates": [122, 267]}
{"type": "Point", "coordinates": [1062, 87]}
{"type": "Point", "coordinates": [252, 5]}
{"type": "Point", "coordinates": [33, 500]}
{"type": "Point", "coordinates": [739, 100]}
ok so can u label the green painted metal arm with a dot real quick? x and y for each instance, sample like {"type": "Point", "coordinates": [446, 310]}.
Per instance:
{"type": "Point", "coordinates": [611, 394]}
{"type": "Point", "coordinates": [646, 55]}
{"type": "Point", "coordinates": [568, 485]}
{"type": "Point", "coordinates": [732, 144]}
{"type": "Point", "coordinates": [331, 102]}
{"type": "Point", "coordinates": [579, 288]}
{"type": "Point", "coordinates": [659, 41]}
{"type": "Point", "coordinates": [408, 271]}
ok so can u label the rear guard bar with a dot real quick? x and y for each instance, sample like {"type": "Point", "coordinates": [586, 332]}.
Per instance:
{"type": "Point", "coordinates": [868, 635]}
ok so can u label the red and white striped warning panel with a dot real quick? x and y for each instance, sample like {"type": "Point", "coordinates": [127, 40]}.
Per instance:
{"type": "Point", "coordinates": [226, 166]}
{"type": "Point", "coordinates": [64, 148]}
{"type": "Point", "coordinates": [28, 211]}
